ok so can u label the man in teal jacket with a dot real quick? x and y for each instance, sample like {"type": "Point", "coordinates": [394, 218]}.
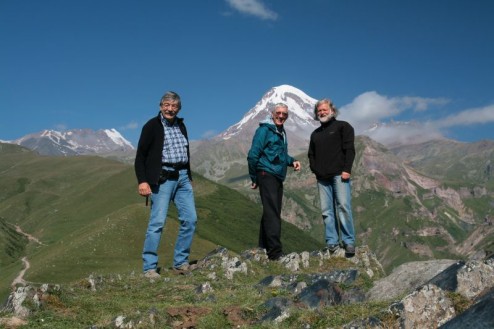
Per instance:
{"type": "Point", "coordinates": [268, 160]}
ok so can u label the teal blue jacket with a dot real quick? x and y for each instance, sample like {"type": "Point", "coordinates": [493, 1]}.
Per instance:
{"type": "Point", "coordinates": [269, 151]}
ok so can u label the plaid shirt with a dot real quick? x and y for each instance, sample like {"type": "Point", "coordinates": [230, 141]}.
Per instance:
{"type": "Point", "coordinates": [175, 145]}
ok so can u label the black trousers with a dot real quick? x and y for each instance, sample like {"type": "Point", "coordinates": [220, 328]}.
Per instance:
{"type": "Point", "coordinates": [271, 191]}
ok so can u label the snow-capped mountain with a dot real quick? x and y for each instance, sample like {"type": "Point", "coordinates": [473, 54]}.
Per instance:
{"type": "Point", "coordinates": [300, 122]}
{"type": "Point", "coordinates": [217, 157]}
{"type": "Point", "coordinates": [75, 142]}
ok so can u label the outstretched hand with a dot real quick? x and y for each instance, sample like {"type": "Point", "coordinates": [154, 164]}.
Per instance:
{"type": "Point", "coordinates": [297, 166]}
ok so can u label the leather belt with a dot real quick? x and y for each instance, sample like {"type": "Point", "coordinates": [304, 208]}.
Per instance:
{"type": "Point", "coordinates": [176, 166]}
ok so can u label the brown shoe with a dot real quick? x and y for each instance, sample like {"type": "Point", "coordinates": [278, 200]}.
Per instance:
{"type": "Point", "coordinates": [152, 274]}
{"type": "Point", "coordinates": [184, 268]}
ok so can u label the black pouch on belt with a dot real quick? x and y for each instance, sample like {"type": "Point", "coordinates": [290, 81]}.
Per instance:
{"type": "Point", "coordinates": [168, 175]}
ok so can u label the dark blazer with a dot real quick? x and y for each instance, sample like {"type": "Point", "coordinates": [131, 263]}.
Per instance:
{"type": "Point", "coordinates": [147, 164]}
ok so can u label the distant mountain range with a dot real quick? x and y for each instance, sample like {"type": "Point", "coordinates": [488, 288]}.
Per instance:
{"type": "Point", "coordinates": [299, 125]}
{"type": "Point", "coordinates": [420, 201]}
{"type": "Point", "coordinates": [75, 142]}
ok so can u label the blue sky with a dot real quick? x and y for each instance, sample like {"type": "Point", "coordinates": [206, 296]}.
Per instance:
{"type": "Point", "coordinates": [105, 63]}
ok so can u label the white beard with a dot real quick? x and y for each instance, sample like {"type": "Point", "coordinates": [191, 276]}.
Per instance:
{"type": "Point", "coordinates": [326, 118]}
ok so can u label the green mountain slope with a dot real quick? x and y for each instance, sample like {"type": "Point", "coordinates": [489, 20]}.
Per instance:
{"type": "Point", "coordinates": [452, 161]}
{"type": "Point", "coordinates": [87, 216]}
{"type": "Point", "coordinates": [432, 200]}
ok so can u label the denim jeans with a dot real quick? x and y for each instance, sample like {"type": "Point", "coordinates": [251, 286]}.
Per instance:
{"type": "Point", "coordinates": [181, 194]}
{"type": "Point", "coordinates": [336, 207]}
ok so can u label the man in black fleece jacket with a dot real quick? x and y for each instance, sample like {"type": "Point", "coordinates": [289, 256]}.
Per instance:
{"type": "Point", "coordinates": [331, 155]}
{"type": "Point", "coordinates": [162, 167]}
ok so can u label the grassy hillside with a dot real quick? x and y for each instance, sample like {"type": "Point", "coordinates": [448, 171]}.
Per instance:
{"type": "Point", "coordinates": [87, 216]}
{"type": "Point", "coordinates": [418, 202]}
{"type": "Point", "coordinates": [453, 162]}
{"type": "Point", "coordinates": [213, 296]}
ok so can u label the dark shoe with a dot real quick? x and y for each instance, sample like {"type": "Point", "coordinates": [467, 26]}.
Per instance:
{"type": "Point", "coordinates": [350, 249]}
{"type": "Point", "coordinates": [332, 247]}
{"type": "Point", "coordinates": [277, 258]}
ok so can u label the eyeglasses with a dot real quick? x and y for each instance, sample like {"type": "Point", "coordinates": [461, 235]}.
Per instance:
{"type": "Point", "coordinates": [281, 114]}
{"type": "Point", "coordinates": [170, 105]}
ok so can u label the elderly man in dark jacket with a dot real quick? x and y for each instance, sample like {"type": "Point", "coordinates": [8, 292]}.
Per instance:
{"type": "Point", "coordinates": [331, 155]}
{"type": "Point", "coordinates": [162, 167]}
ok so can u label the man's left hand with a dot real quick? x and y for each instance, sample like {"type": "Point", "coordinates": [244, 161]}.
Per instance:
{"type": "Point", "coordinates": [345, 175]}
{"type": "Point", "coordinates": [296, 165]}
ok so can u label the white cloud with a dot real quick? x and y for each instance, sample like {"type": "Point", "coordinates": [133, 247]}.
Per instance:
{"type": "Point", "coordinates": [254, 8]}
{"type": "Point", "coordinates": [370, 108]}
{"type": "Point", "coordinates": [436, 128]}
{"type": "Point", "coordinates": [399, 134]}
{"type": "Point", "coordinates": [376, 115]}
{"type": "Point", "coordinates": [130, 126]}
{"type": "Point", "coordinates": [61, 127]}
{"type": "Point", "coordinates": [483, 115]}
{"type": "Point", "coordinates": [208, 134]}
{"type": "Point", "coordinates": [420, 104]}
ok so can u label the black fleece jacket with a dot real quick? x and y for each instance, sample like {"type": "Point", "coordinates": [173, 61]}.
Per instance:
{"type": "Point", "coordinates": [147, 164]}
{"type": "Point", "coordinates": [332, 149]}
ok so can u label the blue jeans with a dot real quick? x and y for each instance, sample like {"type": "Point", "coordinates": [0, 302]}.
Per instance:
{"type": "Point", "coordinates": [181, 194]}
{"type": "Point", "coordinates": [336, 207]}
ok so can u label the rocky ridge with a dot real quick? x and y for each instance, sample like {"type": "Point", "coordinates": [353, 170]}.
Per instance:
{"type": "Point", "coordinates": [432, 294]}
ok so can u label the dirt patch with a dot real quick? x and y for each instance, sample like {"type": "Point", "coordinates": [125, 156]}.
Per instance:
{"type": "Point", "coordinates": [186, 317]}
{"type": "Point", "coordinates": [236, 316]}
{"type": "Point", "coordinates": [12, 323]}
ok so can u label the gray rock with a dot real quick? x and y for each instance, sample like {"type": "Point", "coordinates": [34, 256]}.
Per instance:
{"type": "Point", "coordinates": [475, 277]}
{"type": "Point", "coordinates": [448, 279]}
{"type": "Point", "coordinates": [320, 294]}
{"type": "Point", "coordinates": [17, 298]}
{"type": "Point", "coordinates": [480, 315]}
{"type": "Point", "coordinates": [428, 307]}
{"type": "Point", "coordinates": [278, 309]}
{"type": "Point", "coordinates": [204, 288]}
{"type": "Point", "coordinates": [338, 276]}
{"type": "Point", "coordinates": [406, 278]}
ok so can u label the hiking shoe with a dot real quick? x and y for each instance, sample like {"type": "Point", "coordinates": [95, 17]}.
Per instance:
{"type": "Point", "coordinates": [152, 274]}
{"type": "Point", "coordinates": [350, 249]}
{"type": "Point", "coordinates": [332, 247]}
{"type": "Point", "coordinates": [184, 268]}
{"type": "Point", "coordinates": [277, 258]}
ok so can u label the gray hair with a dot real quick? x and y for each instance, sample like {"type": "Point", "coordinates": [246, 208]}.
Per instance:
{"type": "Point", "coordinates": [331, 106]}
{"type": "Point", "coordinates": [171, 96]}
{"type": "Point", "coordinates": [279, 105]}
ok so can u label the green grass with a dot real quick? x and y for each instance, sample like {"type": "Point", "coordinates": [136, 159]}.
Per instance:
{"type": "Point", "coordinates": [86, 212]}
{"type": "Point", "coordinates": [89, 218]}
{"type": "Point", "coordinates": [76, 305]}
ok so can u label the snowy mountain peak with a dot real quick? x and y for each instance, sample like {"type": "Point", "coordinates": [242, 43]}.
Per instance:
{"type": "Point", "coordinates": [75, 142]}
{"type": "Point", "coordinates": [300, 106]}
{"type": "Point", "coordinates": [117, 138]}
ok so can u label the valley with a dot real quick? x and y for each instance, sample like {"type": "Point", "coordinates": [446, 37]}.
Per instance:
{"type": "Point", "coordinates": [73, 215]}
